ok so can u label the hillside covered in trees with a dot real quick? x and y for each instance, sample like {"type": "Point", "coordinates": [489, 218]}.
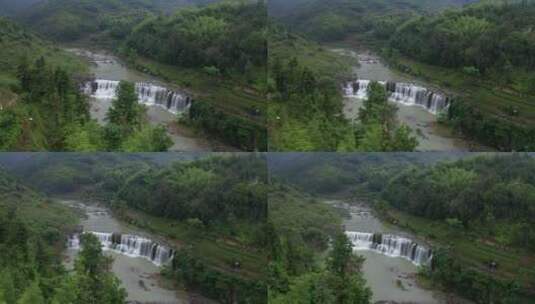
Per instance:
{"type": "Point", "coordinates": [305, 112]}
{"type": "Point", "coordinates": [491, 40]}
{"type": "Point", "coordinates": [43, 109]}
{"type": "Point", "coordinates": [310, 258]}
{"type": "Point", "coordinates": [475, 211]}
{"type": "Point", "coordinates": [33, 230]}
{"type": "Point", "coordinates": [480, 53]}
{"type": "Point", "coordinates": [217, 53]}
{"type": "Point", "coordinates": [212, 209]}
{"type": "Point", "coordinates": [336, 19]}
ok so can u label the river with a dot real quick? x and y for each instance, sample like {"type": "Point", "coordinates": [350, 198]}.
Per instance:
{"type": "Point", "coordinates": [431, 135]}
{"type": "Point", "coordinates": [138, 273]}
{"type": "Point", "coordinates": [107, 68]}
{"type": "Point", "coordinates": [391, 277]}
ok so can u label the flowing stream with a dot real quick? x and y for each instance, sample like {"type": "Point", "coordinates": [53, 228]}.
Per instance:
{"type": "Point", "coordinates": [138, 256]}
{"type": "Point", "coordinates": [163, 102]}
{"type": "Point", "coordinates": [392, 257]}
{"type": "Point", "coordinates": [418, 104]}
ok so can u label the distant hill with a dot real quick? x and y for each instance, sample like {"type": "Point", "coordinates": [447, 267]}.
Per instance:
{"type": "Point", "coordinates": [333, 19]}
{"type": "Point", "coordinates": [70, 20]}
{"type": "Point", "coordinates": [10, 7]}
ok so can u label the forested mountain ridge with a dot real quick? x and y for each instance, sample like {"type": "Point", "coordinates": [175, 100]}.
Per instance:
{"type": "Point", "coordinates": [310, 258]}
{"type": "Point", "coordinates": [212, 210]}
{"type": "Point", "coordinates": [66, 20]}
{"type": "Point", "coordinates": [11, 7]}
{"type": "Point", "coordinates": [33, 233]}
{"type": "Point", "coordinates": [484, 53]}
{"type": "Point", "coordinates": [223, 71]}
{"type": "Point", "coordinates": [475, 211]}
{"type": "Point", "coordinates": [480, 54]}
{"type": "Point", "coordinates": [220, 52]}
{"type": "Point", "coordinates": [332, 20]}
{"type": "Point", "coordinates": [44, 108]}
{"type": "Point", "coordinates": [30, 125]}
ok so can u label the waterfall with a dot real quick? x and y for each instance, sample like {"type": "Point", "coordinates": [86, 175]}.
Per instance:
{"type": "Point", "coordinates": [391, 245]}
{"type": "Point", "coordinates": [148, 93]}
{"type": "Point", "coordinates": [130, 245]}
{"type": "Point", "coordinates": [357, 89]}
{"type": "Point", "coordinates": [403, 93]}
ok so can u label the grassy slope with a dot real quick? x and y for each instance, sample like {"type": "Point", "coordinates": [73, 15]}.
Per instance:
{"type": "Point", "coordinates": [53, 171]}
{"type": "Point", "coordinates": [41, 214]}
{"type": "Point", "coordinates": [229, 94]}
{"type": "Point", "coordinates": [15, 44]}
{"type": "Point", "coordinates": [292, 210]}
{"type": "Point", "coordinates": [490, 98]}
{"type": "Point", "coordinates": [472, 250]}
{"type": "Point", "coordinates": [233, 96]}
{"type": "Point", "coordinates": [311, 54]}
{"type": "Point", "coordinates": [217, 252]}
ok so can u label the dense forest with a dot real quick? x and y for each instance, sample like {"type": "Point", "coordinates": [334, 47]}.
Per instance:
{"type": "Point", "coordinates": [43, 108]}
{"type": "Point", "coordinates": [223, 41]}
{"type": "Point", "coordinates": [480, 53]}
{"type": "Point", "coordinates": [333, 20]}
{"type": "Point", "coordinates": [305, 112]}
{"type": "Point", "coordinates": [219, 56]}
{"type": "Point", "coordinates": [489, 198]}
{"type": "Point", "coordinates": [52, 114]}
{"type": "Point", "coordinates": [213, 208]}
{"type": "Point", "coordinates": [32, 231]}
{"type": "Point", "coordinates": [485, 40]}
{"type": "Point", "coordinates": [474, 210]}
{"type": "Point", "coordinates": [310, 259]}
{"type": "Point", "coordinates": [71, 20]}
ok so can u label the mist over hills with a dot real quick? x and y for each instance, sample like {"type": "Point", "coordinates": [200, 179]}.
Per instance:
{"type": "Point", "coordinates": [8, 7]}
{"type": "Point", "coordinates": [281, 8]}
{"type": "Point", "coordinates": [14, 7]}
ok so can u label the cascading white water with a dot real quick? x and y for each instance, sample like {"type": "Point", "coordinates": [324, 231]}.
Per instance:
{"type": "Point", "coordinates": [148, 93]}
{"type": "Point", "coordinates": [391, 245]}
{"type": "Point", "coordinates": [404, 93]}
{"type": "Point", "coordinates": [357, 89]}
{"type": "Point", "coordinates": [130, 245]}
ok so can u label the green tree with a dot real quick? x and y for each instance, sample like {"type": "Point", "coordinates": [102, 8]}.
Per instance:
{"type": "Point", "coordinates": [125, 110]}
{"type": "Point", "coordinates": [341, 255]}
{"type": "Point", "coordinates": [148, 139]}
{"type": "Point", "coordinates": [32, 295]}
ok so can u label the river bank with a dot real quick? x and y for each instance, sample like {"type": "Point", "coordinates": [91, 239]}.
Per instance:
{"type": "Point", "coordinates": [420, 116]}
{"type": "Point", "coordinates": [163, 100]}
{"type": "Point", "coordinates": [138, 273]}
{"type": "Point", "coordinates": [392, 257]}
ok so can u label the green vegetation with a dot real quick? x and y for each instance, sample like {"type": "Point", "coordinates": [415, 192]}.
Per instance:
{"type": "Point", "coordinates": [490, 200]}
{"type": "Point", "coordinates": [488, 49]}
{"type": "Point", "coordinates": [222, 50]}
{"type": "Point", "coordinates": [70, 20]}
{"type": "Point", "coordinates": [215, 206]}
{"type": "Point", "coordinates": [306, 114]}
{"type": "Point", "coordinates": [52, 104]}
{"type": "Point", "coordinates": [218, 54]}
{"type": "Point", "coordinates": [476, 213]}
{"type": "Point", "coordinates": [49, 105]}
{"type": "Point", "coordinates": [480, 54]}
{"type": "Point", "coordinates": [302, 267]}
{"type": "Point", "coordinates": [207, 37]}
{"type": "Point", "coordinates": [37, 101]}
{"type": "Point", "coordinates": [43, 109]}
{"type": "Point", "coordinates": [334, 20]}
{"type": "Point", "coordinates": [33, 230]}
{"type": "Point", "coordinates": [92, 280]}
{"type": "Point", "coordinates": [211, 210]}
